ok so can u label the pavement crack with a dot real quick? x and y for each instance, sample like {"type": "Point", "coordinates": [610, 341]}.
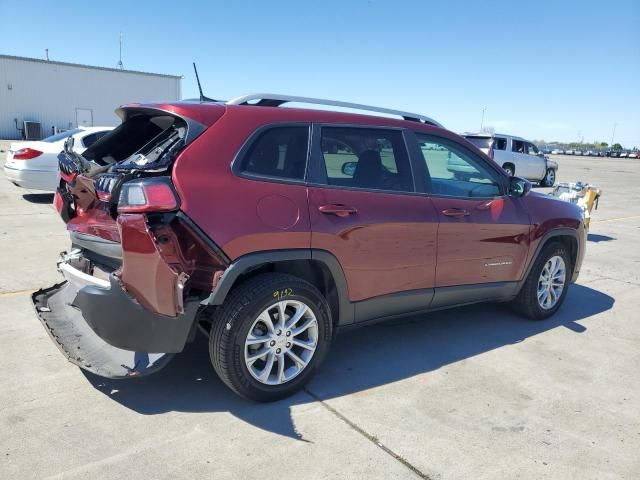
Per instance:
{"type": "Point", "coordinates": [612, 279]}
{"type": "Point", "coordinates": [369, 437]}
{"type": "Point", "coordinates": [11, 293]}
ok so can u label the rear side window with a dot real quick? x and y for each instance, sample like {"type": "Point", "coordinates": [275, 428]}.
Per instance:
{"type": "Point", "coordinates": [481, 142]}
{"type": "Point", "coordinates": [499, 143]}
{"type": "Point", "coordinates": [368, 158]}
{"type": "Point", "coordinates": [279, 152]}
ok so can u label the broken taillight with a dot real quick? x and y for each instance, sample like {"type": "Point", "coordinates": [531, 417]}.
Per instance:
{"type": "Point", "coordinates": [26, 154]}
{"type": "Point", "coordinates": [147, 195]}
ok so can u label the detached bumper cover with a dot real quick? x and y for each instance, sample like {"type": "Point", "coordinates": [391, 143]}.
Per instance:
{"type": "Point", "coordinates": [101, 328]}
{"type": "Point", "coordinates": [122, 322]}
{"type": "Point", "coordinates": [81, 345]}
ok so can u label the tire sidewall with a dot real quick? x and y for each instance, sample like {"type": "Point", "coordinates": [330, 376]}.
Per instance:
{"type": "Point", "coordinates": [238, 329]}
{"type": "Point", "coordinates": [550, 251]}
{"type": "Point", "coordinates": [545, 180]}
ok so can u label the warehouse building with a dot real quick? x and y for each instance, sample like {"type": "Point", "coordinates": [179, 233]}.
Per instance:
{"type": "Point", "coordinates": [58, 96]}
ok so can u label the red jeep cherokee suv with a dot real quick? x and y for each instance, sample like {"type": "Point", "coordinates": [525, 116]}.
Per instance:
{"type": "Point", "coordinates": [271, 228]}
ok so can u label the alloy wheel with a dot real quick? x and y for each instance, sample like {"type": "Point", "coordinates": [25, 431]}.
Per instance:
{"type": "Point", "coordinates": [551, 282]}
{"type": "Point", "coordinates": [281, 342]}
{"type": "Point", "coordinates": [551, 177]}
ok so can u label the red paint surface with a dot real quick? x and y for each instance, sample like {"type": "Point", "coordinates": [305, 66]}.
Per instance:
{"type": "Point", "coordinates": [96, 222]}
{"type": "Point", "coordinates": [144, 273]}
{"type": "Point", "coordinates": [388, 246]}
{"type": "Point", "coordinates": [490, 244]}
{"type": "Point", "coordinates": [392, 243]}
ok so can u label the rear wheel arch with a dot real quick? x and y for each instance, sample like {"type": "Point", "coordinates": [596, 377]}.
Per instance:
{"type": "Point", "coordinates": [318, 267]}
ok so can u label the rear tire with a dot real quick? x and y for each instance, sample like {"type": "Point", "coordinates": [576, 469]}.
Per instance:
{"type": "Point", "coordinates": [549, 178]}
{"type": "Point", "coordinates": [248, 323]}
{"type": "Point", "coordinates": [540, 297]}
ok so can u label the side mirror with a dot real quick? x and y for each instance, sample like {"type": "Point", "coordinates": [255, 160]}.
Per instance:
{"type": "Point", "coordinates": [518, 187]}
{"type": "Point", "coordinates": [349, 168]}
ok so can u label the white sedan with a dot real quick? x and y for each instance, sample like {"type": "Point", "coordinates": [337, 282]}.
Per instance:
{"type": "Point", "coordinates": [34, 164]}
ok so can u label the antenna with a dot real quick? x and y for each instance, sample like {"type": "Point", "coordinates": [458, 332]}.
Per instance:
{"type": "Point", "coordinates": [120, 65]}
{"type": "Point", "coordinates": [202, 96]}
{"type": "Point", "coordinates": [195, 69]}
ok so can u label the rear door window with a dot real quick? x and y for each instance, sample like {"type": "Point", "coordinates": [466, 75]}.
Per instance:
{"type": "Point", "coordinates": [367, 158]}
{"type": "Point", "coordinates": [518, 146]}
{"type": "Point", "coordinates": [279, 152]}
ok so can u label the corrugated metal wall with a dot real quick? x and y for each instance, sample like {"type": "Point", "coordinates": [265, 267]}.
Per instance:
{"type": "Point", "coordinates": [60, 95]}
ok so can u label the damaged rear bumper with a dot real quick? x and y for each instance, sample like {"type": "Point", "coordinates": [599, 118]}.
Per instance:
{"type": "Point", "coordinates": [101, 328]}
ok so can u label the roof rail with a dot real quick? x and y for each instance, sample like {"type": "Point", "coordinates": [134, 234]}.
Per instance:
{"type": "Point", "coordinates": [275, 100]}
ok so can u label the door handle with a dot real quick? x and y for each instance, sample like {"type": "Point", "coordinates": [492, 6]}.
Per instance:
{"type": "Point", "coordinates": [455, 212]}
{"type": "Point", "coordinates": [341, 211]}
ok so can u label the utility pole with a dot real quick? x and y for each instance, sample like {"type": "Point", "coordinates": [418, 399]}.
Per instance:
{"type": "Point", "coordinates": [46, 51]}
{"type": "Point", "coordinates": [482, 121]}
{"type": "Point", "coordinates": [612, 135]}
{"type": "Point", "coordinates": [120, 66]}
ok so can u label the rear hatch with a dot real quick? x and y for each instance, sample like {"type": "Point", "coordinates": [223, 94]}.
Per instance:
{"type": "Point", "coordinates": [122, 211]}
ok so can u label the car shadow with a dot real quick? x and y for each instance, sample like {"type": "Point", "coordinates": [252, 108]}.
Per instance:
{"type": "Point", "coordinates": [594, 237]}
{"type": "Point", "coordinates": [359, 360]}
{"type": "Point", "coordinates": [40, 198]}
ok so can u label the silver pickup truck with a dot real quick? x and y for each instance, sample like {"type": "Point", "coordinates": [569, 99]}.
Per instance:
{"type": "Point", "coordinates": [515, 155]}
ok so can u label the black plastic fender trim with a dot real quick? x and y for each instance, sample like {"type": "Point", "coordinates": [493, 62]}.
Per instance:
{"type": "Point", "coordinates": [556, 232]}
{"type": "Point", "coordinates": [254, 260]}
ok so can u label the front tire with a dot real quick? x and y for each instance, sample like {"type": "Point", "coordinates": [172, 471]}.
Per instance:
{"type": "Point", "coordinates": [269, 336]}
{"type": "Point", "coordinates": [546, 285]}
{"type": "Point", "coordinates": [549, 179]}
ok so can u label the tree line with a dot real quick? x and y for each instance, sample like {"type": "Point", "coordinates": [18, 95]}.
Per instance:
{"type": "Point", "coordinates": [581, 146]}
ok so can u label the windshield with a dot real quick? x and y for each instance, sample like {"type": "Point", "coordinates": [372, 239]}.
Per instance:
{"type": "Point", "coordinates": [481, 142]}
{"type": "Point", "coordinates": [61, 136]}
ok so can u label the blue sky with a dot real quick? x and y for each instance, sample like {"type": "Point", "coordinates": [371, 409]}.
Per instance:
{"type": "Point", "coordinates": [552, 70]}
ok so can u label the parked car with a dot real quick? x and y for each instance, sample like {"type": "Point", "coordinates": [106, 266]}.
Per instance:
{"type": "Point", "coordinates": [557, 151]}
{"type": "Point", "coordinates": [623, 154]}
{"type": "Point", "coordinates": [634, 155]}
{"type": "Point", "coordinates": [569, 151]}
{"type": "Point", "coordinates": [271, 229]}
{"type": "Point", "coordinates": [34, 164]}
{"type": "Point", "coordinates": [515, 155]}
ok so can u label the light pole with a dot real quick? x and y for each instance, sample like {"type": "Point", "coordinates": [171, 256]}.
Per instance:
{"type": "Point", "coordinates": [613, 135]}
{"type": "Point", "coordinates": [482, 121]}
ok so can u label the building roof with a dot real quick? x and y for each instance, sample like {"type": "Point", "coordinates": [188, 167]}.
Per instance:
{"type": "Point", "coordinates": [53, 62]}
